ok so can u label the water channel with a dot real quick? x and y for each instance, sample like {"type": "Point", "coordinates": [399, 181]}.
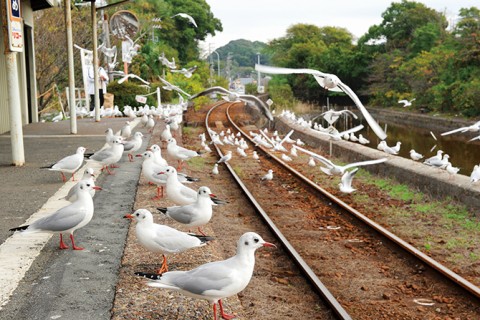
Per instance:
{"type": "Point", "coordinates": [463, 154]}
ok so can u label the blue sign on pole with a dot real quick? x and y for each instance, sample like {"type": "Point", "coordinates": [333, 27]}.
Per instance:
{"type": "Point", "coordinates": [15, 8]}
{"type": "Point", "coordinates": [14, 26]}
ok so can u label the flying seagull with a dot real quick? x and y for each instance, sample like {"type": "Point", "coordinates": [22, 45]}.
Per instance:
{"type": "Point", "coordinates": [406, 103]}
{"type": "Point", "coordinates": [330, 82]}
{"type": "Point", "coordinates": [168, 86]}
{"type": "Point", "coordinates": [233, 96]}
{"type": "Point", "coordinates": [186, 16]}
{"type": "Point", "coordinates": [133, 76]}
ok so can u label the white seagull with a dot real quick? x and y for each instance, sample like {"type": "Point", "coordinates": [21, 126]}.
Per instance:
{"type": "Point", "coordinates": [227, 157]}
{"type": "Point", "coordinates": [179, 153]}
{"type": "Point", "coordinates": [67, 219]}
{"type": "Point", "coordinates": [196, 214]}
{"type": "Point", "coordinates": [126, 130]}
{"type": "Point", "coordinates": [168, 86]}
{"type": "Point", "coordinates": [268, 176]}
{"type": "Point", "coordinates": [109, 156]}
{"type": "Point", "coordinates": [133, 144]}
{"type": "Point", "coordinates": [69, 164]}
{"type": "Point", "coordinates": [330, 82]}
{"type": "Point", "coordinates": [406, 103]}
{"type": "Point", "coordinates": [475, 175]}
{"type": "Point", "coordinates": [362, 139]}
{"type": "Point", "coordinates": [163, 239]}
{"type": "Point", "coordinates": [215, 169]}
{"type": "Point", "coordinates": [217, 280]}
{"type": "Point", "coordinates": [166, 62]}
{"type": "Point", "coordinates": [186, 72]}
{"type": "Point", "coordinates": [186, 16]}
{"type": "Point", "coordinates": [132, 76]}
{"type": "Point", "coordinates": [415, 155]}
{"type": "Point", "coordinates": [472, 128]}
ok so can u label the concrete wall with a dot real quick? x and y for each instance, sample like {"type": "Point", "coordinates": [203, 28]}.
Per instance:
{"type": "Point", "coordinates": [435, 182]}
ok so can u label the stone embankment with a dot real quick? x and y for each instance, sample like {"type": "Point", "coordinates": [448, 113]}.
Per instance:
{"type": "Point", "coordinates": [433, 181]}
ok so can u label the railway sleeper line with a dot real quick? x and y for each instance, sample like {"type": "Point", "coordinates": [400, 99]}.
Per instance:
{"type": "Point", "coordinates": [414, 281]}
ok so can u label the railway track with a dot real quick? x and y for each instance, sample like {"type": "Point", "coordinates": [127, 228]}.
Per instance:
{"type": "Point", "coordinates": [328, 240]}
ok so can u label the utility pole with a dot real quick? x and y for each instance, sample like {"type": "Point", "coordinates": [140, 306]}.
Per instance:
{"type": "Point", "coordinates": [71, 71]}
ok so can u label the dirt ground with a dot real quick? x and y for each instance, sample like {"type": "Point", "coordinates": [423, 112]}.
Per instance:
{"type": "Point", "coordinates": [284, 294]}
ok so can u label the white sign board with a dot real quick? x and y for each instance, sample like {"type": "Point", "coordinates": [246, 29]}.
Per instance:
{"type": "Point", "coordinates": [141, 99]}
{"type": "Point", "coordinates": [269, 102]}
{"type": "Point", "coordinates": [14, 26]}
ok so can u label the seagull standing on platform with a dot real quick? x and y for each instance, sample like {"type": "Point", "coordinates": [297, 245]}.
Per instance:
{"type": "Point", "coordinates": [179, 153]}
{"type": "Point", "coordinates": [109, 156]}
{"type": "Point", "coordinates": [89, 178]}
{"type": "Point", "coordinates": [163, 239]}
{"type": "Point", "coordinates": [268, 176]}
{"type": "Point", "coordinates": [415, 155]}
{"type": "Point", "coordinates": [133, 144]}
{"type": "Point", "coordinates": [126, 130]}
{"type": "Point", "coordinates": [150, 124]}
{"type": "Point", "coordinates": [67, 219]}
{"type": "Point", "coordinates": [69, 164]}
{"type": "Point", "coordinates": [215, 281]}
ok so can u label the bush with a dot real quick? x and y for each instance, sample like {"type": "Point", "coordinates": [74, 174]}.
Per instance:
{"type": "Point", "coordinates": [125, 94]}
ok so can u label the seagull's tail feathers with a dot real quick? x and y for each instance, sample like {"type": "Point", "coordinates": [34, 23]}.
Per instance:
{"type": "Point", "coordinates": [22, 228]}
{"type": "Point", "coordinates": [48, 167]}
{"type": "Point", "coordinates": [203, 239]}
{"type": "Point", "coordinates": [192, 179]}
{"type": "Point", "coordinates": [152, 276]}
{"type": "Point", "coordinates": [88, 155]}
{"type": "Point", "coordinates": [326, 170]}
{"type": "Point", "coordinates": [163, 210]}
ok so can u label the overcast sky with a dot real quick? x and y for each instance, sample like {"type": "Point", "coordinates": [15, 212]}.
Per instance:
{"type": "Point", "coordinates": [265, 20]}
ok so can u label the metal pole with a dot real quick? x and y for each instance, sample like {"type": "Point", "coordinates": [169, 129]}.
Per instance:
{"type": "Point", "coordinates": [71, 74]}
{"type": "Point", "coordinates": [159, 101]}
{"type": "Point", "coordinates": [95, 62]}
{"type": "Point", "coordinates": [15, 111]}
{"type": "Point", "coordinates": [258, 81]}
{"type": "Point", "coordinates": [218, 63]}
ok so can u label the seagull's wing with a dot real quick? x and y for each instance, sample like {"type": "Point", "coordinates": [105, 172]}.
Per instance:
{"type": "Point", "coordinates": [402, 101]}
{"type": "Point", "coordinates": [453, 131]}
{"type": "Point", "coordinates": [351, 113]}
{"type": "Point", "coordinates": [175, 87]}
{"type": "Point", "coordinates": [364, 163]}
{"type": "Point", "coordinates": [354, 129]}
{"type": "Point", "coordinates": [253, 100]}
{"type": "Point", "coordinates": [217, 89]}
{"type": "Point", "coordinates": [321, 82]}
{"type": "Point", "coordinates": [286, 137]}
{"type": "Point", "coordinates": [323, 160]}
{"type": "Point", "coordinates": [279, 70]}
{"type": "Point", "coordinates": [371, 122]}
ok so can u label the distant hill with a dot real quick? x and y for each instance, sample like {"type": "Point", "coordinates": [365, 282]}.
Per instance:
{"type": "Point", "coordinates": [243, 55]}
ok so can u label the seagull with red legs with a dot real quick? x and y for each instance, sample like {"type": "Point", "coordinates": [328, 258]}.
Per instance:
{"type": "Point", "coordinates": [109, 156]}
{"type": "Point", "coordinates": [217, 280]}
{"type": "Point", "coordinates": [69, 164]}
{"type": "Point", "coordinates": [179, 153]}
{"type": "Point", "coordinates": [163, 239]}
{"type": "Point", "coordinates": [67, 219]}
{"type": "Point", "coordinates": [133, 144]}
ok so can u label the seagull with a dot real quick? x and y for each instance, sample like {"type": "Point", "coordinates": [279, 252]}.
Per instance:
{"type": "Point", "coordinates": [215, 168]}
{"type": "Point", "coordinates": [133, 144]}
{"type": "Point", "coordinates": [166, 62]}
{"type": "Point", "coordinates": [396, 148]}
{"type": "Point", "coordinates": [338, 135]}
{"type": "Point", "coordinates": [311, 162]}
{"type": "Point", "coordinates": [226, 157]}
{"type": "Point", "coordinates": [436, 158]}
{"type": "Point", "coordinates": [186, 72]}
{"type": "Point", "coordinates": [180, 194]}
{"type": "Point", "coordinates": [241, 152]}
{"type": "Point", "coordinates": [435, 162]}
{"type": "Point", "coordinates": [132, 76]}
{"type": "Point", "coordinates": [126, 130]}
{"type": "Point", "coordinates": [168, 86]}
{"type": "Point", "coordinates": [186, 16]}
{"type": "Point", "coordinates": [452, 170]}
{"type": "Point", "coordinates": [157, 156]}
{"type": "Point", "coordinates": [333, 169]}
{"type": "Point", "coordinates": [150, 124]}
{"type": "Point", "coordinates": [415, 155]}
{"type": "Point", "coordinates": [268, 176]}
{"type": "Point", "coordinates": [255, 155]}
{"type": "Point", "coordinates": [346, 184]}
{"type": "Point", "coordinates": [330, 82]}
{"type": "Point", "coordinates": [69, 164]}
{"type": "Point", "coordinates": [231, 96]}
{"type": "Point", "coordinates": [475, 175]}
{"type": "Point", "coordinates": [217, 280]}
{"type": "Point", "coordinates": [166, 133]}
{"type": "Point", "coordinates": [163, 239]}
{"type": "Point", "coordinates": [67, 219]}
{"type": "Point", "coordinates": [109, 156]}
{"type": "Point", "coordinates": [387, 149]}
{"type": "Point", "coordinates": [179, 153]}
{"type": "Point", "coordinates": [363, 140]}
{"type": "Point", "coordinates": [89, 178]}
{"type": "Point", "coordinates": [196, 214]}
{"type": "Point", "coordinates": [406, 103]}
{"type": "Point", "coordinates": [286, 158]}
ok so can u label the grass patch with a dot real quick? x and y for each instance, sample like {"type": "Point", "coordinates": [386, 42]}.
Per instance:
{"type": "Point", "coordinates": [238, 171]}
{"type": "Point", "coordinates": [196, 163]}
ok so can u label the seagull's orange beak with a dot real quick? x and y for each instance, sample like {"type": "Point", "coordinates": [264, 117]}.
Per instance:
{"type": "Point", "coordinates": [97, 188]}
{"type": "Point", "coordinates": [161, 173]}
{"type": "Point", "coordinates": [212, 195]}
{"type": "Point", "coordinates": [128, 216]}
{"type": "Point", "coordinates": [139, 156]}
